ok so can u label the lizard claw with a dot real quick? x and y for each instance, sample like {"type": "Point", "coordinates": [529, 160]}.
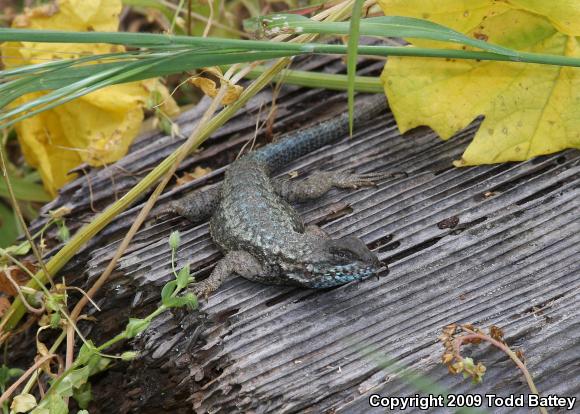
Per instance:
{"type": "Point", "coordinates": [200, 290]}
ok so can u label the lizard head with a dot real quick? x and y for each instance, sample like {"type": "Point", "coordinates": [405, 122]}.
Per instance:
{"type": "Point", "coordinates": [341, 261]}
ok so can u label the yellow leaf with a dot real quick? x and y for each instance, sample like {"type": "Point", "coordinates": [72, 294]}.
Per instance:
{"type": "Point", "coordinates": [529, 109]}
{"type": "Point", "coordinates": [96, 128]}
{"type": "Point", "coordinates": [564, 14]}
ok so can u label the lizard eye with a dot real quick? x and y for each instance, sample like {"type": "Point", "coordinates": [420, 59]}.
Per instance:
{"type": "Point", "coordinates": [343, 254]}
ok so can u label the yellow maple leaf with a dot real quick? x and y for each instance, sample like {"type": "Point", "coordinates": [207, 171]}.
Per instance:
{"type": "Point", "coordinates": [529, 109]}
{"type": "Point", "coordinates": [96, 128]}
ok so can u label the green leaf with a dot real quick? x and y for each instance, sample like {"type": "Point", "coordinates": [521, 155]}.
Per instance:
{"type": "Point", "coordinates": [63, 233]}
{"type": "Point", "coordinates": [86, 352]}
{"type": "Point", "coordinates": [174, 54]}
{"type": "Point", "coordinates": [189, 300]}
{"type": "Point", "coordinates": [6, 374]}
{"type": "Point", "coordinates": [73, 380]}
{"type": "Point", "coordinates": [8, 228]}
{"type": "Point", "coordinates": [24, 190]}
{"type": "Point", "coordinates": [168, 290]}
{"type": "Point", "coordinates": [18, 250]}
{"type": "Point", "coordinates": [83, 395]}
{"type": "Point", "coordinates": [135, 327]}
{"type": "Point", "coordinates": [183, 277]}
{"type": "Point", "coordinates": [89, 357]}
{"type": "Point", "coordinates": [53, 404]}
{"type": "Point", "coordinates": [56, 405]}
{"type": "Point", "coordinates": [54, 301]}
{"type": "Point", "coordinates": [14, 372]}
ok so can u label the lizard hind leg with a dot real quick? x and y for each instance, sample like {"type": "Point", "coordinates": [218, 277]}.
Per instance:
{"type": "Point", "coordinates": [235, 262]}
{"type": "Point", "coordinates": [320, 182]}
{"type": "Point", "coordinates": [197, 206]}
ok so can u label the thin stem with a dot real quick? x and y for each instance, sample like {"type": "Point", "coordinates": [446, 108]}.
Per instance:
{"type": "Point", "coordinates": [23, 377]}
{"type": "Point", "coordinates": [189, 17]}
{"type": "Point", "coordinates": [31, 309]}
{"type": "Point", "coordinates": [369, 84]}
{"type": "Point", "coordinates": [474, 335]}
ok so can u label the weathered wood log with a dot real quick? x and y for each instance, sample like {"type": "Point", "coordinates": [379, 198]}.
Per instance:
{"type": "Point", "coordinates": [487, 245]}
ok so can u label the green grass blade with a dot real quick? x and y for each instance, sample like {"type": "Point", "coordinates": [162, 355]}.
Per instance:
{"type": "Point", "coordinates": [166, 41]}
{"type": "Point", "coordinates": [353, 38]}
{"type": "Point", "coordinates": [57, 64]}
{"type": "Point", "coordinates": [336, 82]}
{"type": "Point", "coordinates": [115, 74]}
{"type": "Point", "coordinates": [59, 94]}
{"type": "Point", "coordinates": [70, 83]}
{"type": "Point", "coordinates": [384, 26]}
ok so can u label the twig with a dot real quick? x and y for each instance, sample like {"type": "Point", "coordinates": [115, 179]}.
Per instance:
{"type": "Point", "coordinates": [204, 19]}
{"type": "Point", "coordinates": [20, 380]}
{"type": "Point", "coordinates": [474, 335]}
{"type": "Point", "coordinates": [16, 286]}
{"type": "Point", "coordinates": [189, 17]}
{"type": "Point", "coordinates": [209, 23]}
{"type": "Point", "coordinates": [453, 339]}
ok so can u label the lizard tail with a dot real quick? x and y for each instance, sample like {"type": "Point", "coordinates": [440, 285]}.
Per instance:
{"type": "Point", "coordinates": [298, 143]}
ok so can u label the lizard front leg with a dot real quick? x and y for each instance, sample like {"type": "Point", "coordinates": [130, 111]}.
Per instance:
{"type": "Point", "coordinates": [320, 182]}
{"type": "Point", "coordinates": [235, 262]}
{"type": "Point", "coordinates": [197, 206]}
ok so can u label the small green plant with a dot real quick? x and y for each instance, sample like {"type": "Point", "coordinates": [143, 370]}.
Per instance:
{"type": "Point", "coordinates": [91, 359]}
{"type": "Point", "coordinates": [455, 336]}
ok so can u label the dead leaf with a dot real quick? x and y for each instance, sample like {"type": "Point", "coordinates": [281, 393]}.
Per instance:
{"type": "Point", "coordinates": [4, 305]}
{"type": "Point", "coordinates": [190, 176]}
{"type": "Point", "coordinates": [210, 87]}
{"type": "Point", "coordinates": [19, 276]}
{"type": "Point", "coordinates": [60, 212]}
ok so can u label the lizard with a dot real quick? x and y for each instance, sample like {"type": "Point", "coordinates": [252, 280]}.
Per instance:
{"type": "Point", "coordinates": [261, 235]}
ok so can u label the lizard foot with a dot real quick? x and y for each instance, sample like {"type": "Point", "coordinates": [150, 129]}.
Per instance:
{"type": "Point", "coordinates": [234, 262]}
{"type": "Point", "coordinates": [201, 290]}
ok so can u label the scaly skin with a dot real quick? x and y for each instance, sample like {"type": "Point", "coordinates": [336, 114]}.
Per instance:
{"type": "Point", "coordinates": [262, 236]}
